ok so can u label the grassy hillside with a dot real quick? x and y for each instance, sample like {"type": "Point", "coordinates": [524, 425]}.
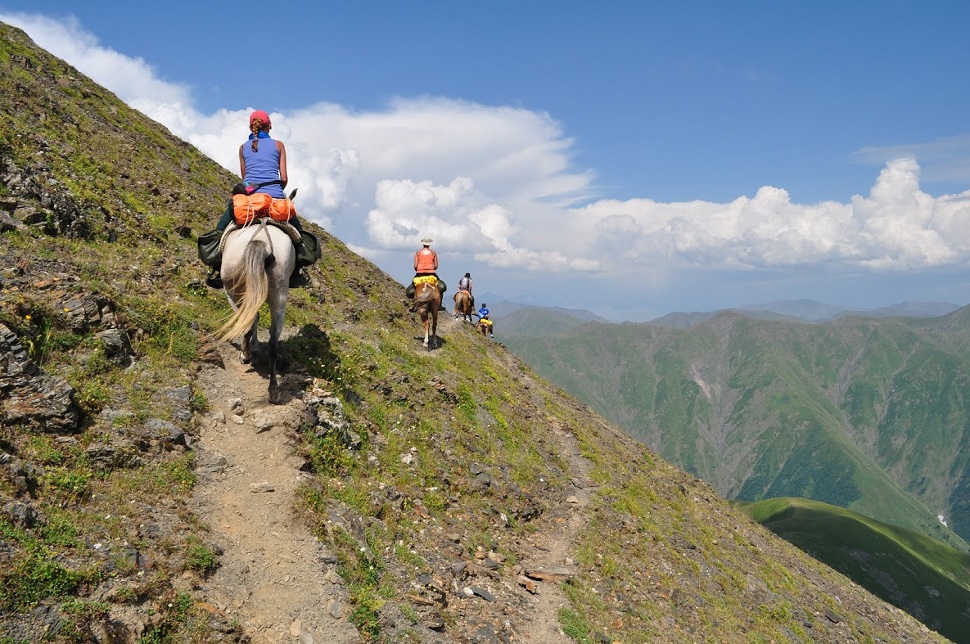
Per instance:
{"type": "Point", "coordinates": [925, 576]}
{"type": "Point", "coordinates": [862, 413]}
{"type": "Point", "coordinates": [444, 472]}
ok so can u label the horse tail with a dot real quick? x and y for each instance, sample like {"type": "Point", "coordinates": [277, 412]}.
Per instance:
{"type": "Point", "coordinates": [253, 283]}
{"type": "Point", "coordinates": [426, 296]}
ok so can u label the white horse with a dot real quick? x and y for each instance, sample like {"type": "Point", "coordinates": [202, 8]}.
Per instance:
{"type": "Point", "coordinates": [257, 261]}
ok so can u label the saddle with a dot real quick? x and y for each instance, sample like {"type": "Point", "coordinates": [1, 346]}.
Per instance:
{"type": "Point", "coordinates": [286, 227]}
{"type": "Point", "coordinates": [425, 279]}
{"type": "Point", "coordinates": [212, 243]}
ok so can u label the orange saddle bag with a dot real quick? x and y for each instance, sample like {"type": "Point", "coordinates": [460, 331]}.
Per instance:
{"type": "Point", "coordinates": [282, 210]}
{"type": "Point", "coordinates": [248, 208]}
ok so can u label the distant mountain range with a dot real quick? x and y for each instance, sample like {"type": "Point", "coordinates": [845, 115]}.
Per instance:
{"type": "Point", "coordinates": [524, 319]}
{"type": "Point", "coordinates": [512, 318]}
{"type": "Point", "coordinates": [869, 413]}
{"type": "Point", "coordinates": [817, 312]}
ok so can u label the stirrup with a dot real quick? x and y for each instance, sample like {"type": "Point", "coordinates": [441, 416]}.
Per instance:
{"type": "Point", "coordinates": [214, 280]}
{"type": "Point", "coordinates": [299, 278]}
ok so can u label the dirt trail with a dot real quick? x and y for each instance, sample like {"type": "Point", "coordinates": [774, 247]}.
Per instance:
{"type": "Point", "coordinates": [275, 578]}
{"type": "Point", "coordinates": [553, 553]}
{"type": "Point", "coordinates": [553, 547]}
{"type": "Point", "coordinates": [549, 549]}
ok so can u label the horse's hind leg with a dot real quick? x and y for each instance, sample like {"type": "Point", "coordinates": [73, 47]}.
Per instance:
{"type": "Point", "coordinates": [249, 343]}
{"type": "Point", "coordinates": [274, 386]}
{"type": "Point", "coordinates": [276, 328]}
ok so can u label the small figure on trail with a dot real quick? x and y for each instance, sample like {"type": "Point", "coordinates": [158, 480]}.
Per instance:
{"type": "Point", "coordinates": [485, 326]}
{"type": "Point", "coordinates": [465, 284]}
{"type": "Point", "coordinates": [425, 267]}
{"type": "Point", "coordinates": [262, 166]}
{"type": "Point", "coordinates": [464, 300]}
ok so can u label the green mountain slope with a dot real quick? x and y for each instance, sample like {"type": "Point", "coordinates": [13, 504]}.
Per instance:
{"type": "Point", "coordinates": [434, 480]}
{"type": "Point", "coordinates": [924, 576]}
{"type": "Point", "coordinates": [537, 321]}
{"type": "Point", "coordinates": [863, 413]}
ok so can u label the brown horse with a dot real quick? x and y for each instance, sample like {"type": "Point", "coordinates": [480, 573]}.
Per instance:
{"type": "Point", "coordinates": [463, 306]}
{"type": "Point", "coordinates": [485, 327]}
{"type": "Point", "coordinates": [427, 301]}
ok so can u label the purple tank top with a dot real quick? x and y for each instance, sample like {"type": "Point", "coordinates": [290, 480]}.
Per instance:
{"type": "Point", "coordinates": [263, 165]}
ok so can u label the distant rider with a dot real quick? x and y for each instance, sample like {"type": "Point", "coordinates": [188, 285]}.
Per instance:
{"type": "Point", "coordinates": [465, 284]}
{"type": "Point", "coordinates": [484, 324]}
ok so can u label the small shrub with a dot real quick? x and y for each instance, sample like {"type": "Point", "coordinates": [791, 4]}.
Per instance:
{"type": "Point", "coordinates": [200, 557]}
{"type": "Point", "coordinates": [575, 626]}
{"type": "Point", "coordinates": [176, 618]}
{"type": "Point", "coordinates": [82, 613]}
{"type": "Point", "coordinates": [35, 577]}
{"type": "Point", "coordinates": [72, 483]}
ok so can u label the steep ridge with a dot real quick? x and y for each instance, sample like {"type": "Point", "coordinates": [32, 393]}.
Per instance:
{"type": "Point", "coordinates": [396, 495]}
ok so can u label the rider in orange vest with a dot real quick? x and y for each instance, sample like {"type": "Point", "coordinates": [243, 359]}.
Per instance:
{"type": "Point", "coordinates": [426, 263]}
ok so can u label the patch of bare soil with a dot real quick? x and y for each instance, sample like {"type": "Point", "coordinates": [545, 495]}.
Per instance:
{"type": "Point", "coordinates": [275, 578]}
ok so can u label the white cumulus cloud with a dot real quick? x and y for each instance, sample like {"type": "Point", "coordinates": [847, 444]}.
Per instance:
{"type": "Point", "coordinates": [897, 227]}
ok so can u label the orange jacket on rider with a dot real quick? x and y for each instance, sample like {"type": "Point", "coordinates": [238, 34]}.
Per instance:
{"type": "Point", "coordinates": [425, 261]}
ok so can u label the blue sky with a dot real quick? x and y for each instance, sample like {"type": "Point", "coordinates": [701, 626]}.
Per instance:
{"type": "Point", "coordinates": [630, 158]}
